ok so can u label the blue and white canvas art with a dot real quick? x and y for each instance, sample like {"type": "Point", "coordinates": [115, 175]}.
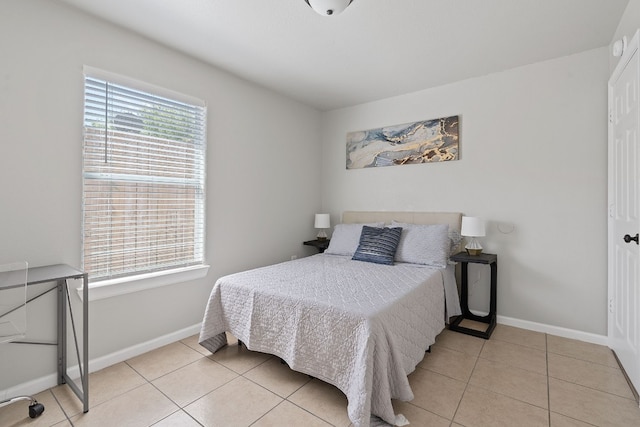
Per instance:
{"type": "Point", "coordinates": [427, 141]}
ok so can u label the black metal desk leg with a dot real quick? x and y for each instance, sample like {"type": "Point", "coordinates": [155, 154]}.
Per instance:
{"type": "Point", "coordinates": [62, 332]}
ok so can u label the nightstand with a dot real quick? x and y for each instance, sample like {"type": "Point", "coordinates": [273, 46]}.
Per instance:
{"type": "Point", "coordinates": [320, 245]}
{"type": "Point", "coordinates": [490, 319]}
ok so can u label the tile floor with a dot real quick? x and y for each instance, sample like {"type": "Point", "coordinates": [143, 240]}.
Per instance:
{"type": "Point", "coordinates": [517, 378]}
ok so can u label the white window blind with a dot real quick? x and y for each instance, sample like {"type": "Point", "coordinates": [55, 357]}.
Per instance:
{"type": "Point", "coordinates": [143, 181]}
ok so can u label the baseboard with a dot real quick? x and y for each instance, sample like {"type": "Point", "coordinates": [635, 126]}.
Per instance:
{"type": "Point", "coordinates": [136, 350]}
{"type": "Point", "coordinates": [43, 383]}
{"type": "Point", "coordinates": [554, 330]}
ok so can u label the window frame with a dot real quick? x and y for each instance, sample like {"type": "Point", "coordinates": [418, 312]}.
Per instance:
{"type": "Point", "coordinates": [104, 287]}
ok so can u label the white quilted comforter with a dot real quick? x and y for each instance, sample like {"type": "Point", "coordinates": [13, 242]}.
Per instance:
{"type": "Point", "coordinates": [360, 326]}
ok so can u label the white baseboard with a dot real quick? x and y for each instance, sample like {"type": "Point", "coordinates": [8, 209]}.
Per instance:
{"type": "Point", "coordinates": [549, 329]}
{"type": "Point", "coordinates": [43, 383]}
{"type": "Point", "coordinates": [138, 349]}
{"type": "Point", "coordinates": [554, 330]}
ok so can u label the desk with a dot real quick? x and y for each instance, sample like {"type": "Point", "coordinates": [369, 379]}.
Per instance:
{"type": "Point", "coordinates": [59, 274]}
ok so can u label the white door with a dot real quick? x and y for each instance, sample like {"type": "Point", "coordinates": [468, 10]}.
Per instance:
{"type": "Point", "coordinates": [624, 212]}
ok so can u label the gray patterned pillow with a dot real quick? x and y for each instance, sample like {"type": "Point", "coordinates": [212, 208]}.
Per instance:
{"type": "Point", "coordinates": [454, 238]}
{"type": "Point", "coordinates": [346, 237]}
{"type": "Point", "coordinates": [424, 244]}
{"type": "Point", "coordinates": [378, 245]}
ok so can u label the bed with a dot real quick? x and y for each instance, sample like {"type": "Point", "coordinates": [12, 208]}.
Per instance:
{"type": "Point", "coordinates": [361, 326]}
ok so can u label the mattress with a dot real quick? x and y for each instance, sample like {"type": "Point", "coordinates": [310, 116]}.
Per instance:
{"type": "Point", "coordinates": [360, 326]}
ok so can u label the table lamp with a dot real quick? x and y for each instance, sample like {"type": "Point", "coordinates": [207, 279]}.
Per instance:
{"type": "Point", "coordinates": [472, 227]}
{"type": "Point", "coordinates": [322, 222]}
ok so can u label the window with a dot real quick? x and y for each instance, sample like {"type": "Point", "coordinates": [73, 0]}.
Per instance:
{"type": "Point", "coordinates": [143, 178]}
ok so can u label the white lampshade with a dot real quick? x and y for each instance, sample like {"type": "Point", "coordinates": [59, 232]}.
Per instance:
{"type": "Point", "coordinates": [328, 7]}
{"type": "Point", "coordinates": [472, 227]}
{"type": "Point", "coordinates": [323, 221]}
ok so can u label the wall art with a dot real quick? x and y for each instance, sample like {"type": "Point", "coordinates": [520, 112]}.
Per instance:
{"type": "Point", "coordinates": [426, 141]}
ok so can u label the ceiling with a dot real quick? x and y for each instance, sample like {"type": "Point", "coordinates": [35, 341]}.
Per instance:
{"type": "Point", "coordinates": [375, 49]}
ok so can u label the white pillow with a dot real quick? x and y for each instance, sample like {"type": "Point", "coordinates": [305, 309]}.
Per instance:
{"type": "Point", "coordinates": [423, 244]}
{"type": "Point", "coordinates": [346, 237]}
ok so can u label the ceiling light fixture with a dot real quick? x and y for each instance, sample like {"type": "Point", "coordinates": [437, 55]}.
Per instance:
{"type": "Point", "coordinates": [328, 7]}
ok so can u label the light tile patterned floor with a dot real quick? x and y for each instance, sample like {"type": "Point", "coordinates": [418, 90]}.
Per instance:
{"type": "Point", "coordinates": [517, 378]}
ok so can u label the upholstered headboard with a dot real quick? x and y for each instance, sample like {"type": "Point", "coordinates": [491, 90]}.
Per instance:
{"type": "Point", "coordinates": [454, 219]}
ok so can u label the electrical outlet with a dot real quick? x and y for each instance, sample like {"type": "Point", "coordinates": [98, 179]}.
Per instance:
{"type": "Point", "coordinates": [294, 257]}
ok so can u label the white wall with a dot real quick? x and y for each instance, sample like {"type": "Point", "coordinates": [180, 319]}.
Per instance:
{"type": "Point", "coordinates": [263, 172]}
{"type": "Point", "coordinates": [533, 155]}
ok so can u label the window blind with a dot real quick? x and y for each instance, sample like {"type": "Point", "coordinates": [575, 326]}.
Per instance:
{"type": "Point", "coordinates": [143, 181]}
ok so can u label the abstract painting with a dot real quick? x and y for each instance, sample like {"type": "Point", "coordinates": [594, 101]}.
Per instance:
{"type": "Point", "coordinates": [427, 141]}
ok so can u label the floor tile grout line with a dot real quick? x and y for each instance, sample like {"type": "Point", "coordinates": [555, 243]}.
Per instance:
{"type": "Point", "coordinates": [199, 397]}
{"type": "Point", "coordinates": [167, 373]}
{"type": "Point", "coordinates": [574, 419]}
{"type": "Point", "coordinates": [265, 414]}
{"type": "Point", "coordinates": [520, 345]}
{"type": "Point", "coordinates": [453, 417]}
{"type": "Point", "coordinates": [175, 412]}
{"type": "Point", "coordinates": [304, 409]}
{"type": "Point", "coordinates": [60, 406]}
{"type": "Point", "coordinates": [105, 401]}
{"type": "Point", "coordinates": [180, 407]}
{"type": "Point", "coordinates": [592, 388]}
{"type": "Point", "coordinates": [597, 390]}
{"type": "Point", "coordinates": [549, 377]}
{"type": "Point", "coordinates": [512, 366]}
{"type": "Point", "coordinates": [264, 387]}
{"type": "Point", "coordinates": [246, 378]}
{"type": "Point", "coordinates": [455, 349]}
{"type": "Point", "coordinates": [429, 411]}
{"type": "Point", "coordinates": [569, 356]}
{"type": "Point", "coordinates": [511, 397]}
{"type": "Point", "coordinates": [288, 401]}
{"type": "Point", "coordinates": [573, 356]}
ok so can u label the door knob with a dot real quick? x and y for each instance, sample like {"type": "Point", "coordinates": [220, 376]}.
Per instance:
{"type": "Point", "coordinates": [628, 238]}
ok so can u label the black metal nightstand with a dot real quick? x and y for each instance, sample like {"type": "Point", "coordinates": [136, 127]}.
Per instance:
{"type": "Point", "coordinates": [492, 261]}
{"type": "Point", "coordinates": [320, 245]}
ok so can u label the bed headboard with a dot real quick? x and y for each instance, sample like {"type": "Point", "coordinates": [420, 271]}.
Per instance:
{"type": "Point", "coordinates": [454, 219]}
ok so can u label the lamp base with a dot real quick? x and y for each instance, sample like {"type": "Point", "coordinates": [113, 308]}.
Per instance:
{"type": "Point", "coordinates": [474, 252]}
{"type": "Point", "coordinates": [473, 248]}
{"type": "Point", "coordinates": [321, 235]}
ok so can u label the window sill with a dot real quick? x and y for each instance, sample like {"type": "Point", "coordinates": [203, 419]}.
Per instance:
{"type": "Point", "coordinates": [126, 285]}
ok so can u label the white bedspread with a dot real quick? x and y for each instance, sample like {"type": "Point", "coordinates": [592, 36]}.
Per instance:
{"type": "Point", "coordinates": [360, 326]}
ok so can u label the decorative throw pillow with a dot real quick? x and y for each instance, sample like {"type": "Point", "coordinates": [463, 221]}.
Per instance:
{"type": "Point", "coordinates": [424, 244]}
{"type": "Point", "coordinates": [378, 245]}
{"type": "Point", "coordinates": [345, 238]}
